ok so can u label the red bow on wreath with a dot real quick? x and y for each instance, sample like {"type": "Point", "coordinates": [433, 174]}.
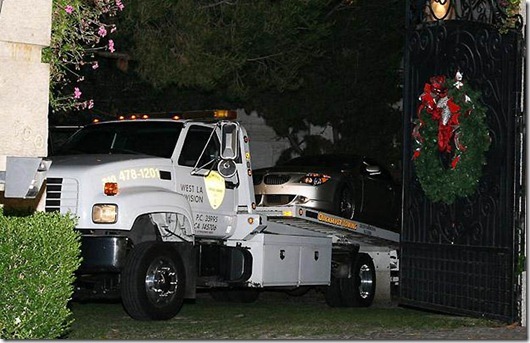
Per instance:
{"type": "Point", "coordinates": [443, 109]}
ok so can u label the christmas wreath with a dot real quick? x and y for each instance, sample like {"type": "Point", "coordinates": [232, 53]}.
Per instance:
{"type": "Point", "coordinates": [450, 139]}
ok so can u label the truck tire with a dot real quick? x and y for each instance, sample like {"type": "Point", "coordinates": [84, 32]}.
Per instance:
{"type": "Point", "coordinates": [333, 293]}
{"type": "Point", "coordinates": [359, 289]}
{"type": "Point", "coordinates": [298, 291]}
{"type": "Point", "coordinates": [153, 282]}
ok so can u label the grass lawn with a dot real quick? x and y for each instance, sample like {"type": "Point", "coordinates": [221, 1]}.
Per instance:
{"type": "Point", "coordinates": [273, 316]}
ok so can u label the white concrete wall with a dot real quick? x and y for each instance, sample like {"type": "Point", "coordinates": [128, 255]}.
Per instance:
{"type": "Point", "coordinates": [25, 27]}
{"type": "Point", "coordinates": [265, 146]}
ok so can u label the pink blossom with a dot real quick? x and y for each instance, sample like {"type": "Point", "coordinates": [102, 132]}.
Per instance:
{"type": "Point", "coordinates": [102, 32]}
{"type": "Point", "coordinates": [95, 65]}
{"type": "Point", "coordinates": [90, 104]}
{"type": "Point", "coordinates": [111, 45]}
{"type": "Point", "coordinates": [77, 93]}
{"type": "Point", "coordinates": [120, 5]}
{"type": "Point", "coordinates": [69, 9]}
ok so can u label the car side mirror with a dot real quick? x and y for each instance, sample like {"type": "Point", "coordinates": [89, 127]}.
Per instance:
{"type": "Point", "coordinates": [373, 170]}
{"type": "Point", "coordinates": [229, 136]}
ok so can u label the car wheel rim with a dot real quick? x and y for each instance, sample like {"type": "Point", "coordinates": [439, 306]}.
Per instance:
{"type": "Point", "coordinates": [161, 282]}
{"type": "Point", "coordinates": [346, 204]}
{"type": "Point", "coordinates": [366, 281]}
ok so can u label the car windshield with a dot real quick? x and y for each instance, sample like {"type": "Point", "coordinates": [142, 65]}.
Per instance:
{"type": "Point", "coordinates": [135, 137]}
{"type": "Point", "coordinates": [332, 161]}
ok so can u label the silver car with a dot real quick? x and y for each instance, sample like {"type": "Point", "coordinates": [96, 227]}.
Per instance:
{"type": "Point", "coordinates": [350, 186]}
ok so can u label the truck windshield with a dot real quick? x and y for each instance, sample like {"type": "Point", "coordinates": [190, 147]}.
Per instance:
{"type": "Point", "coordinates": [134, 137]}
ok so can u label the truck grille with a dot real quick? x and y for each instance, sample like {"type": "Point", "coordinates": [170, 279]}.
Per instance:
{"type": "Point", "coordinates": [61, 195]}
{"type": "Point", "coordinates": [275, 179]}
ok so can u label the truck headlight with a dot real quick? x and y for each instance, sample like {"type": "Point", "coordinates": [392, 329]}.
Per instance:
{"type": "Point", "coordinates": [105, 213]}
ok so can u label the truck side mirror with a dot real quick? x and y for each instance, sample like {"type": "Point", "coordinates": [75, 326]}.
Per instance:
{"type": "Point", "coordinates": [229, 140]}
{"type": "Point", "coordinates": [227, 168]}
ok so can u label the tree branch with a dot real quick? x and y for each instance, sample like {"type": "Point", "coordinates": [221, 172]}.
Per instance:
{"type": "Point", "coordinates": [263, 57]}
{"type": "Point", "coordinates": [222, 2]}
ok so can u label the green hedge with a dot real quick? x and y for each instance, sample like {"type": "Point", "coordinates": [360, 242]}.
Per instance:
{"type": "Point", "coordinates": [38, 256]}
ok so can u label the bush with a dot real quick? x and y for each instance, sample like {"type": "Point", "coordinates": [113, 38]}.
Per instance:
{"type": "Point", "coordinates": [39, 254]}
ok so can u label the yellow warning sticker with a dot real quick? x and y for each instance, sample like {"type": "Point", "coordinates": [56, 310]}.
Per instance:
{"type": "Point", "coordinates": [348, 224]}
{"type": "Point", "coordinates": [215, 189]}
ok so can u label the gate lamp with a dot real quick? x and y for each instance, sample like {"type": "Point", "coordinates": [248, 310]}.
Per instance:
{"type": "Point", "coordinates": [439, 10]}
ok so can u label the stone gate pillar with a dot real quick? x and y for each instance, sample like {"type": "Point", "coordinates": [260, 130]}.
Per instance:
{"type": "Point", "coordinates": [25, 27]}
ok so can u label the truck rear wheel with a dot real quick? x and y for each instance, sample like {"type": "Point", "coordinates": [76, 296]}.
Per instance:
{"type": "Point", "coordinates": [358, 290]}
{"type": "Point", "coordinates": [153, 282]}
{"type": "Point", "coordinates": [333, 293]}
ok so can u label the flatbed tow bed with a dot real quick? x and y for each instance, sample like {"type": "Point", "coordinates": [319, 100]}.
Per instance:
{"type": "Point", "coordinates": [381, 244]}
{"type": "Point", "coordinates": [342, 231]}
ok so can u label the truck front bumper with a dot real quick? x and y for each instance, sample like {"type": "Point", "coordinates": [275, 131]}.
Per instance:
{"type": "Point", "coordinates": [103, 253]}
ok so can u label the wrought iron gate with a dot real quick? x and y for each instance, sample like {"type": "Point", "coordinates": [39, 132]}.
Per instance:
{"type": "Point", "coordinates": [463, 258]}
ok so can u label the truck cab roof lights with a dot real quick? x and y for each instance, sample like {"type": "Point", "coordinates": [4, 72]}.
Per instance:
{"type": "Point", "coordinates": [225, 114]}
{"type": "Point", "coordinates": [208, 114]}
{"type": "Point", "coordinates": [198, 115]}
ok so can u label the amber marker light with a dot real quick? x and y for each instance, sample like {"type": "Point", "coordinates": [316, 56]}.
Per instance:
{"type": "Point", "coordinates": [225, 114]}
{"type": "Point", "coordinates": [110, 188]}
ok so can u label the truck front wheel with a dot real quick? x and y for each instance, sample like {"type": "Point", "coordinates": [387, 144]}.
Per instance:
{"type": "Point", "coordinates": [153, 282]}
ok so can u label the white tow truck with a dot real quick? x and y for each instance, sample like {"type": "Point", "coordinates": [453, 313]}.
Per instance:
{"type": "Point", "coordinates": [166, 207]}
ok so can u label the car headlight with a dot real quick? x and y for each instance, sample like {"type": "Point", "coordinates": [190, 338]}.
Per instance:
{"type": "Point", "coordinates": [105, 213]}
{"type": "Point", "coordinates": [315, 179]}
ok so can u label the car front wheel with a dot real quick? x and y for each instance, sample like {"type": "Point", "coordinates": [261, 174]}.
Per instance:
{"type": "Point", "coordinates": [345, 203]}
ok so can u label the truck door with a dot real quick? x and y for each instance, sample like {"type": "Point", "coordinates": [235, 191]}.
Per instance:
{"type": "Point", "coordinates": [213, 199]}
